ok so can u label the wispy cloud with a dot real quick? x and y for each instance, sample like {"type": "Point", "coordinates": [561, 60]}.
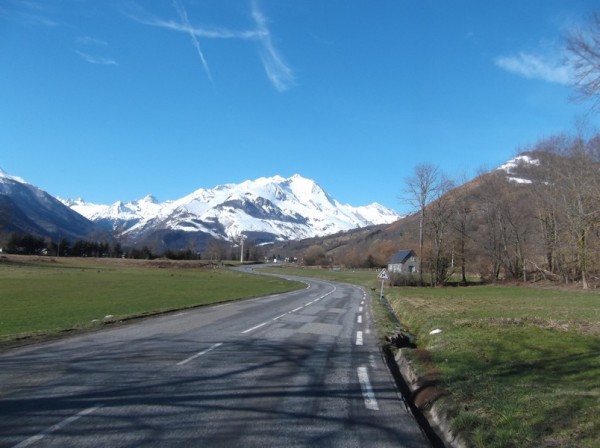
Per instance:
{"type": "Point", "coordinates": [28, 12]}
{"type": "Point", "coordinates": [96, 59]}
{"type": "Point", "coordinates": [91, 44]}
{"type": "Point", "coordinates": [278, 72]}
{"type": "Point", "coordinates": [532, 66]}
{"type": "Point", "coordinates": [188, 28]}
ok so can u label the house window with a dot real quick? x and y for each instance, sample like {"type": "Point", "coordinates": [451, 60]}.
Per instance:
{"type": "Point", "coordinates": [411, 269]}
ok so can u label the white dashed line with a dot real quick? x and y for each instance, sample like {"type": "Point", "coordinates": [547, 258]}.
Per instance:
{"type": "Point", "coordinates": [359, 319]}
{"type": "Point", "coordinates": [367, 390]}
{"type": "Point", "coordinates": [359, 338]}
{"type": "Point", "coordinates": [204, 352]}
{"type": "Point", "coordinates": [31, 440]}
{"type": "Point", "coordinates": [360, 309]}
{"type": "Point", "coordinates": [290, 312]}
{"type": "Point", "coordinates": [255, 327]}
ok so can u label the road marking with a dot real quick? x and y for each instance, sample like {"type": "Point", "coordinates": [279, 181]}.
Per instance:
{"type": "Point", "coordinates": [359, 319]}
{"type": "Point", "coordinates": [372, 361]}
{"type": "Point", "coordinates": [360, 309]}
{"type": "Point", "coordinates": [204, 352]}
{"type": "Point", "coordinates": [254, 328]}
{"type": "Point", "coordinates": [359, 338]}
{"type": "Point", "coordinates": [290, 312]}
{"type": "Point", "coordinates": [367, 390]}
{"type": "Point", "coordinates": [31, 440]}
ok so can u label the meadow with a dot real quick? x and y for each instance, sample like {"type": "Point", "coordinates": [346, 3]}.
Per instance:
{"type": "Point", "coordinates": [513, 366]}
{"type": "Point", "coordinates": [45, 296]}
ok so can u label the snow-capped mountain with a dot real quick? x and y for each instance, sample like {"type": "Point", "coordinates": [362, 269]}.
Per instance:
{"type": "Point", "coordinates": [267, 209]}
{"type": "Point", "coordinates": [25, 208]}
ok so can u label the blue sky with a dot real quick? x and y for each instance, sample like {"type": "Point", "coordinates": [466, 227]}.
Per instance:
{"type": "Point", "coordinates": [115, 99]}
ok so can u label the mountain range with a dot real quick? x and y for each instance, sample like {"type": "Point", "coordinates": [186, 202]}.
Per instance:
{"type": "Point", "coordinates": [264, 210]}
{"type": "Point", "coordinates": [25, 209]}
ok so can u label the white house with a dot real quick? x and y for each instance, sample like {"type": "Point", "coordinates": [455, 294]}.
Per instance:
{"type": "Point", "coordinates": [404, 261]}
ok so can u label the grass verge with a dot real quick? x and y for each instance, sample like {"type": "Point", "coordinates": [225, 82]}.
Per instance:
{"type": "Point", "coordinates": [520, 365]}
{"type": "Point", "coordinates": [45, 296]}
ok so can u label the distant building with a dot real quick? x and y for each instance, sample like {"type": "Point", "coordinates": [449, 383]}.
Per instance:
{"type": "Point", "coordinates": [404, 261]}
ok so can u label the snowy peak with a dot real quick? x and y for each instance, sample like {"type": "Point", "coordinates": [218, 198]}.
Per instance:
{"type": "Point", "coordinates": [276, 208]}
{"type": "Point", "coordinates": [5, 177]}
{"type": "Point", "coordinates": [30, 210]}
{"type": "Point", "coordinates": [513, 166]}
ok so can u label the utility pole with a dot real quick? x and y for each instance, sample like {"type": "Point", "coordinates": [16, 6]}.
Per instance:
{"type": "Point", "coordinates": [242, 238]}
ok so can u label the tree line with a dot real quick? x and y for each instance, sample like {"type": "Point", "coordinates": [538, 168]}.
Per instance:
{"type": "Point", "coordinates": [27, 244]}
{"type": "Point", "coordinates": [215, 250]}
{"type": "Point", "coordinates": [540, 221]}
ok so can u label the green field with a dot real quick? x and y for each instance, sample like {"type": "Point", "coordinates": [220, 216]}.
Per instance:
{"type": "Point", "coordinates": [515, 366]}
{"type": "Point", "coordinates": [44, 296]}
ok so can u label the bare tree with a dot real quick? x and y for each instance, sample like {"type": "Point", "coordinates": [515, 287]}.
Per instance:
{"type": "Point", "coordinates": [420, 189]}
{"type": "Point", "coordinates": [463, 224]}
{"type": "Point", "coordinates": [315, 255]}
{"type": "Point", "coordinates": [567, 192]}
{"type": "Point", "coordinates": [583, 46]}
{"type": "Point", "coordinates": [215, 250]}
{"type": "Point", "coordinates": [438, 226]}
{"type": "Point", "coordinates": [580, 203]}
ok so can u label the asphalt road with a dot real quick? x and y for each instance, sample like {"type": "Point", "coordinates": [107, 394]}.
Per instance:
{"type": "Point", "coordinates": [290, 370]}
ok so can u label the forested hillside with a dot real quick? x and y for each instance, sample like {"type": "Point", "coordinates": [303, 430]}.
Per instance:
{"type": "Point", "coordinates": [536, 218]}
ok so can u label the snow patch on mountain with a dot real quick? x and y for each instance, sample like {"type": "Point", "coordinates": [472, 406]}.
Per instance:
{"type": "Point", "coordinates": [513, 165]}
{"type": "Point", "coordinates": [286, 208]}
{"type": "Point", "coordinates": [5, 177]}
{"type": "Point", "coordinates": [29, 210]}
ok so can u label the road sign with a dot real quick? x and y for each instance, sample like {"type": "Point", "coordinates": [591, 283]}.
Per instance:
{"type": "Point", "coordinates": [383, 275]}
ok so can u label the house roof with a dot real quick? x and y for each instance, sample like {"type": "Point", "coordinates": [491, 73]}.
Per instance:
{"type": "Point", "coordinates": [402, 256]}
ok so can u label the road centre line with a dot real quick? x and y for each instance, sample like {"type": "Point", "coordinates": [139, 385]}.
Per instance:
{"type": "Point", "coordinates": [204, 352]}
{"type": "Point", "coordinates": [367, 390]}
{"type": "Point", "coordinates": [289, 312]}
{"type": "Point", "coordinates": [359, 338]}
{"type": "Point", "coordinates": [254, 328]}
{"type": "Point", "coordinates": [31, 440]}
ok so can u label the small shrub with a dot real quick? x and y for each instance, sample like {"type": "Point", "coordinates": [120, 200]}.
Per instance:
{"type": "Point", "coordinates": [404, 279]}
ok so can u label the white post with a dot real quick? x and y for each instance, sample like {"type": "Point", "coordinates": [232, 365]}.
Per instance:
{"type": "Point", "coordinates": [242, 251]}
